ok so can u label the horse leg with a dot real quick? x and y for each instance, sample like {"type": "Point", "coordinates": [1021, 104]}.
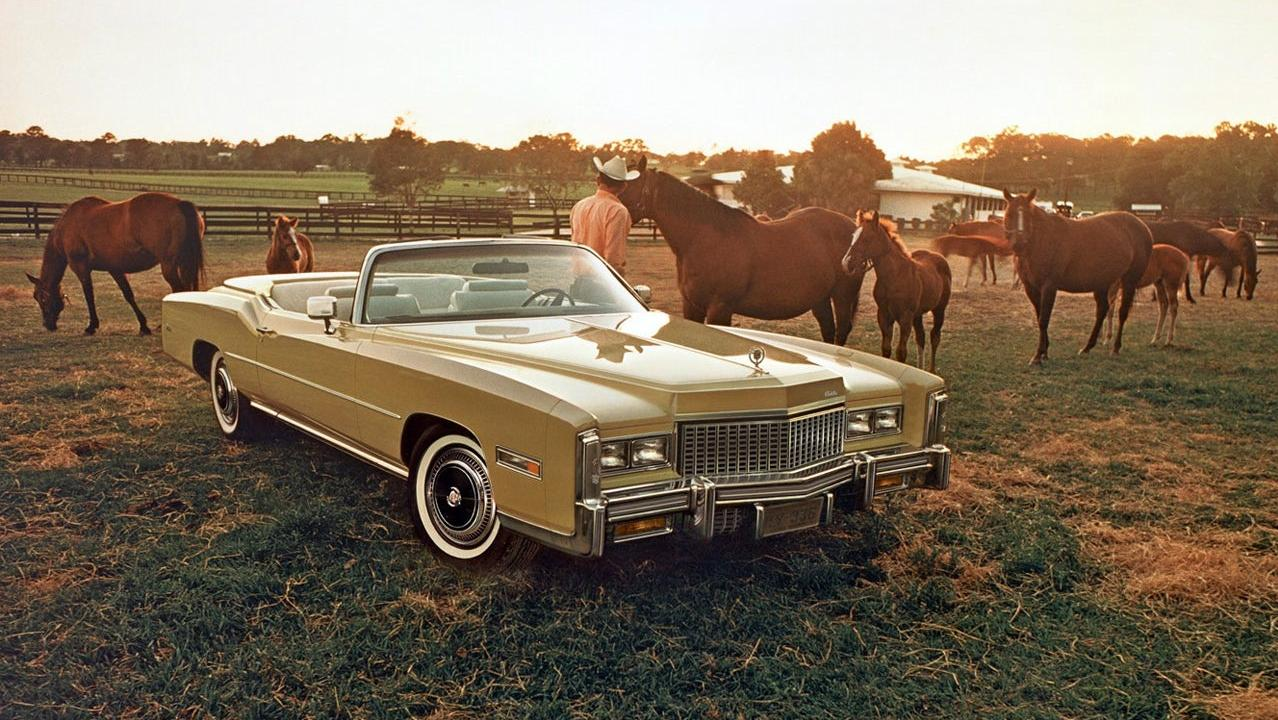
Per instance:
{"type": "Point", "coordinates": [1035, 298]}
{"type": "Point", "coordinates": [993, 269]}
{"type": "Point", "coordinates": [1173, 307]}
{"type": "Point", "coordinates": [1125, 309]}
{"type": "Point", "coordinates": [1109, 316]}
{"type": "Point", "coordinates": [906, 321]}
{"type": "Point", "coordinates": [885, 329]}
{"type": "Point", "coordinates": [980, 259]}
{"type": "Point", "coordinates": [971, 263]}
{"type": "Point", "coordinates": [938, 319]}
{"type": "Point", "coordinates": [693, 311]}
{"type": "Point", "coordinates": [81, 270]}
{"type": "Point", "coordinates": [1102, 309]}
{"type": "Point", "coordinates": [1161, 295]}
{"type": "Point", "coordinates": [846, 296]}
{"type": "Point", "coordinates": [122, 281]}
{"type": "Point", "coordinates": [1046, 301]}
{"type": "Point", "coordinates": [718, 314]}
{"type": "Point", "coordinates": [1204, 269]}
{"type": "Point", "coordinates": [919, 336]}
{"type": "Point", "coordinates": [825, 318]}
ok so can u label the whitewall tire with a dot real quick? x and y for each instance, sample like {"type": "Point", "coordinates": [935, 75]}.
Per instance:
{"type": "Point", "coordinates": [236, 418]}
{"type": "Point", "coordinates": [451, 501]}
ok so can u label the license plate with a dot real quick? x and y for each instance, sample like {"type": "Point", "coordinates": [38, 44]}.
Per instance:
{"type": "Point", "coordinates": [778, 519]}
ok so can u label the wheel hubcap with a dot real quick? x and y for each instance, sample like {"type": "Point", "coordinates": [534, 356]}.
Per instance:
{"type": "Point", "coordinates": [459, 498]}
{"type": "Point", "coordinates": [225, 399]}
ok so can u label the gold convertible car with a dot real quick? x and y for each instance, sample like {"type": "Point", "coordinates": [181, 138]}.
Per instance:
{"type": "Point", "coordinates": [530, 397]}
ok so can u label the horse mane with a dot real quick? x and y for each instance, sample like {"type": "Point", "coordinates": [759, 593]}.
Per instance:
{"type": "Point", "coordinates": [687, 201]}
{"type": "Point", "coordinates": [889, 226]}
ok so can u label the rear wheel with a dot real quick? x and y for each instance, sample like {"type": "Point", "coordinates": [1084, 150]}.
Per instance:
{"type": "Point", "coordinates": [451, 502]}
{"type": "Point", "coordinates": [237, 419]}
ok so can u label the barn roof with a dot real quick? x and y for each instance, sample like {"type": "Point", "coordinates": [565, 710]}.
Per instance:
{"type": "Point", "coordinates": [923, 179]}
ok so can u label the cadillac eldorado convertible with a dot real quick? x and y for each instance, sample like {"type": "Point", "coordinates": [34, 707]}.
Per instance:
{"type": "Point", "coordinates": [530, 397]}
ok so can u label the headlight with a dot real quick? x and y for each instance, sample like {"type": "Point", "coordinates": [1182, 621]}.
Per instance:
{"type": "Point", "coordinates": [634, 454]}
{"type": "Point", "coordinates": [646, 452]}
{"type": "Point", "coordinates": [873, 421]}
{"type": "Point", "coordinates": [613, 455]}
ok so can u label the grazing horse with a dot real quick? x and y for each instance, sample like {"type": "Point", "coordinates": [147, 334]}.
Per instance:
{"type": "Point", "coordinates": [727, 262]}
{"type": "Point", "coordinates": [992, 228]}
{"type": "Point", "coordinates": [1089, 255]}
{"type": "Point", "coordinates": [119, 238]}
{"type": "Point", "coordinates": [1168, 268]}
{"type": "Point", "coordinates": [1193, 240]}
{"type": "Point", "coordinates": [907, 285]}
{"type": "Point", "coordinates": [291, 251]}
{"type": "Point", "coordinates": [976, 248]}
{"type": "Point", "coordinates": [1240, 252]}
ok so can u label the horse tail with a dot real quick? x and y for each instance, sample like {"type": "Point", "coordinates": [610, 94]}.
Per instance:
{"type": "Point", "coordinates": [1189, 271]}
{"type": "Point", "coordinates": [190, 254]}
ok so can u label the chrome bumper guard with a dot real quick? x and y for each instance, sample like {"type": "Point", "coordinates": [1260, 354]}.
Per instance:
{"type": "Point", "coordinates": [694, 501]}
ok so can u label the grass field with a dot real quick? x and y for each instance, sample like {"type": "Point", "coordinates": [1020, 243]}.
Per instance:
{"type": "Point", "coordinates": [316, 182]}
{"type": "Point", "coordinates": [1108, 548]}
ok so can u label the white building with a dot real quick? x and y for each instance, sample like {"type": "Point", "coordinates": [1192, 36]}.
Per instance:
{"type": "Point", "coordinates": [912, 192]}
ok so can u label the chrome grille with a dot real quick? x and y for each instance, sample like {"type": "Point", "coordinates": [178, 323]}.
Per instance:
{"type": "Point", "coordinates": [750, 447]}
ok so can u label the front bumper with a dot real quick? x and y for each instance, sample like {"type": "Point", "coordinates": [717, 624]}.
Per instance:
{"type": "Point", "coordinates": [701, 504]}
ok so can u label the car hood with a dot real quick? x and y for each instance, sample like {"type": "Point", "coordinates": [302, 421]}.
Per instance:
{"type": "Point", "coordinates": [680, 366]}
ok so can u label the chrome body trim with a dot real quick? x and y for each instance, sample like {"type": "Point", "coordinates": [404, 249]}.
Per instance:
{"type": "Point", "coordinates": [337, 442]}
{"type": "Point", "coordinates": [317, 386]}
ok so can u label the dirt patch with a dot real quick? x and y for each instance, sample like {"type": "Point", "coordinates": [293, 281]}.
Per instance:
{"type": "Point", "coordinates": [10, 293]}
{"type": "Point", "coordinates": [1204, 568]}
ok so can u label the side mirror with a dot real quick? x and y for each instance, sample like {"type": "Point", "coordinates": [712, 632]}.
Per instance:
{"type": "Point", "coordinates": [644, 292]}
{"type": "Point", "coordinates": [322, 307]}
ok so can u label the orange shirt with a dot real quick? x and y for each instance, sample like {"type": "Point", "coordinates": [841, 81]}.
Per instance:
{"type": "Point", "coordinates": [602, 223]}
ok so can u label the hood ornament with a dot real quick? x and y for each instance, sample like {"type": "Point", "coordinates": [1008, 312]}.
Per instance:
{"type": "Point", "coordinates": [757, 356]}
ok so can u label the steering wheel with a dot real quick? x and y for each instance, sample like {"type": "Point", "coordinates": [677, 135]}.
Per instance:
{"type": "Point", "coordinates": [557, 297]}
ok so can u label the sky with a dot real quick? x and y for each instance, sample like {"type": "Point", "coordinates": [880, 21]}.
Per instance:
{"type": "Point", "coordinates": [920, 77]}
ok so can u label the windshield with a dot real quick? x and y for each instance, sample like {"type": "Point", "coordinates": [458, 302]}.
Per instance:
{"type": "Point", "coordinates": [503, 280]}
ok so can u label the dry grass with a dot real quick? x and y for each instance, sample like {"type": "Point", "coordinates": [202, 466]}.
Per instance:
{"type": "Point", "coordinates": [1252, 703]}
{"type": "Point", "coordinates": [1202, 568]}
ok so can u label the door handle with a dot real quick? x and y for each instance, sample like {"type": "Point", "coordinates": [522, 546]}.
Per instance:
{"type": "Point", "coordinates": [264, 331]}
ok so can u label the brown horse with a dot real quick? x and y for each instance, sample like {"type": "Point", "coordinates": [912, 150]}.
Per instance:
{"type": "Point", "coordinates": [1193, 240]}
{"type": "Point", "coordinates": [119, 238]}
{"type": "Point", "coordinates": [1168, 268]}
{"type": "Point", "coordinates": [1055, 254]}
{"type": "Point", "coordinates": [1240, 248]}
{"type": "Point", "coordinates": [291, 251]}
{"type": "Point", "coordinates": [992, 228]}
{"type": "Point", "coordinates": [729, 263]}
{"type": "Point", "coordinates": [976, 248]}
{"type": "Point", "coordinates": [907, 285]}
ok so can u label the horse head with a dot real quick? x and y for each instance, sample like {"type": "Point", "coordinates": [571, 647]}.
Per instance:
{"type": "Point", "coordinates": [1019, 218]}
{"type": "Point", "coordinates": [870, 240]}
{"type": "Point", "coordinates": [1250, 272]}
{"type": "Point", "coordinates": [51, 301]}
{"type": "Point", "coordinates": [638, 194]}
{"type": "Point", "coordinates": [285, 234]}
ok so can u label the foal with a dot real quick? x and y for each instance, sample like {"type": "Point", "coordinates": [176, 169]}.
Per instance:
{"type": "Point", "coordinates": [291, 251]}
{"type": "Point", "coordinates": [908, 285]}
{"type": "Point", "coordinates": [976, 248]}
{"type": "Point", "coordinates": [1168, 268]}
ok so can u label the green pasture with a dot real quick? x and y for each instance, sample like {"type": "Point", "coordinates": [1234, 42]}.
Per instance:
{"type": "Point", "coordinates": [1107, 548]}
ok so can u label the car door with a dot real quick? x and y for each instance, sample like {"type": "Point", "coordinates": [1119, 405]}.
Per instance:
{"type": "Point", "coordinates": [308, 373]}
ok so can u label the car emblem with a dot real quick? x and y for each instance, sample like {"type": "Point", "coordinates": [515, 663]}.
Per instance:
{"type": "Point", "coordinates": [756, 356]}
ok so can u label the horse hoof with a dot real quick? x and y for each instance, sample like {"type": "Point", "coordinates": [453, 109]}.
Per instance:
{"type": "Point", "coordinates": [1114, 351]}
{"type": "Point", "coordinates": [90, 330]}
{"type": "Point", "coordinates": [144, 331]}
{"type": "Point", "coordinates": [1084, 350]}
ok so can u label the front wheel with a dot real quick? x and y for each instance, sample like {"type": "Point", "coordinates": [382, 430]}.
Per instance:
{"type": "Point", "coordinates": [236, 418]}
{"type": "Point", "coordinates": [451, 502]}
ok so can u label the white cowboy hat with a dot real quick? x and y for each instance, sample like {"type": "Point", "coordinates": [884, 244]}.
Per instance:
{"type": "Point", "coordinates": [615, 169]}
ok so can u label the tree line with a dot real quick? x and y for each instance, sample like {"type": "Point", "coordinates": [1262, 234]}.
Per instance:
{"type": "Point", "coordinates": [1233, 172]}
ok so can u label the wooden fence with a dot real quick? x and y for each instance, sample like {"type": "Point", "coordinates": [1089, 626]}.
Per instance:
{"type": "Point", "coordinates": [482, 217]}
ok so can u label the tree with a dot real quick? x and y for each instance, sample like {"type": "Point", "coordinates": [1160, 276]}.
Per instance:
{"type": "Point", "coordinates": [403, 166]}
{"type": "Point", "coordinates": [1230, 175]}
{"type": "Point", "coordinates": [552, 166]}
{"type": "Point", "coordinates": [763, 188]}
{"type": "Point", "coordinates": [630, 148]}
{"type": "Point", "coordinates": [839, 171]}
{"type": "Point", "coordinates": [945, 213]}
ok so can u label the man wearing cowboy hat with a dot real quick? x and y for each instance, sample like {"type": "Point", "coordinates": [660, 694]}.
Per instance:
{"type": "Point", "coordinates": [601, 221]}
